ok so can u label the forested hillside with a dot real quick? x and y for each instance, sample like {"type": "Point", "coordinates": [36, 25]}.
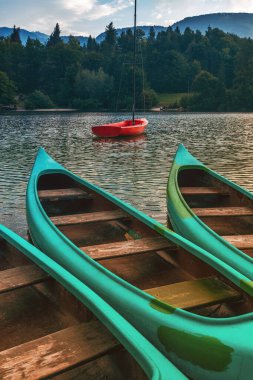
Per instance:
{"type": "Point", "coordinates": [215, 69]}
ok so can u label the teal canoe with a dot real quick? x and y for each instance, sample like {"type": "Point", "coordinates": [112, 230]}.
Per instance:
{"type": "Point", "coordinates": [194, 308]}
{"type": "Point", "coordinates": [39, 358]}
{"type": "Point", "coordinates": [211, 211]}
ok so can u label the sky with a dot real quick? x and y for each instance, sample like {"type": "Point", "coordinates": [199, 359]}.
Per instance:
{"type": "Point", "coordinates": [84, 17]}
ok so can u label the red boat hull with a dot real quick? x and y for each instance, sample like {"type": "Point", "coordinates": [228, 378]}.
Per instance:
{"type": "Point", "coordinates": [123, 128]}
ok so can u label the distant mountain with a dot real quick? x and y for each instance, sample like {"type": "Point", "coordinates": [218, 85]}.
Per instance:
{"type": "Point", "coordinates": [240, 24]}
{"type": "Point", "coordinates": [24, 34]}
{"type": "Point", "coordinates": [145, 29]}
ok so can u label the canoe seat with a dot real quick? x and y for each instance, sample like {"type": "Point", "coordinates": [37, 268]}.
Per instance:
{"type": "Point", "coordinates": [223, 211]}
{"type": "Point", "coordinates": [57, 352]}
{"type": "Point", "coordinates": [240, 241]}
{"type": "Point", "coordinates": [19, 277]}
{"type": "Point", "coordinates": [202, 191]}
{"type": "Point", "coordinates": [63, 194]}
{"type": "Point", "coordinates": [195, 293]}
{"type": "Point", "coordinates": [126, 248]}
{"type": "Point", "coordinates": [88, 217]}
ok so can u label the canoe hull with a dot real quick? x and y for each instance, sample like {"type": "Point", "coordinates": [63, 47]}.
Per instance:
{"type": "Point", "coordinates": [155, 365]}
{"type": "Point", "coordinates": [121, 129]}
{"type": "Point", "coordinates": [187, 224]}
{"type": "Point", "coordinates": [192, 342]}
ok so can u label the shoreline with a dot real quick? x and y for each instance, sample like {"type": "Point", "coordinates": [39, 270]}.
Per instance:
{"type": "Point", "coordinates": [150, 111]}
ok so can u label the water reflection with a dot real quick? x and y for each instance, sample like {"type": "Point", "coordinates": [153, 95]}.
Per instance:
{"type": "Point", "coordinates": [134, 168]}
{"type": "Point", "coordinates": [120, 139]}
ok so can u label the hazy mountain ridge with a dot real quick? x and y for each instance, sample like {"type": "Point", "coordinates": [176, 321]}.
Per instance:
{"type": "Point", "coordinates": [240, 24]}
{"type": "Point", "coordinates": [42, 37]}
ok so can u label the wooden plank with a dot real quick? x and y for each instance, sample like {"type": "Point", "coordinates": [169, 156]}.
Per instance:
{"type": "Point", "coordinates": [117, 365]}
{"type": "Point", "coordinates": [88, 217]}
{"type": "Point", "coordinates": [240, 241]}
{"type": "Point", "coordinates": [202, 191]}
{"type": "Point", "coordinates": [19, 277]}
{"type": "Point", "coordinates": [54, 353]}
{"type": "Point", "coordinates": [126, 248]}
{"type": "Point", "coordinates": [63, 194]}
{"type": "Point", "coordinates": [223, 211]}
{"type": "Point", "coordinates": [196, 293]}
{"type": "Point", "coordinates": [145, 271]}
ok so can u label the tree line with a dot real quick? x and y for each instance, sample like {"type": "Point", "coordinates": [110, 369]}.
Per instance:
{"type": "Point", "coordinates": [214, 69]}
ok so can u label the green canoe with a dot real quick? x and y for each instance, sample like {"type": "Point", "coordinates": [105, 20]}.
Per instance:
{"type": "Point", "coordinates": [189, 304]}
{"type": "Point", "coordinates": [154, 364]}
{"type": "Point", "coordinates": [211, 211]}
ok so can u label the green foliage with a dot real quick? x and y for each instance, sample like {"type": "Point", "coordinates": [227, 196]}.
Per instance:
{"type": "Point", "coordinates": [7, 90]}
{"type": "Point", "coordinates": [215, 67]}
{"type": "Point", "coordinates": [92, 90]}
{"type": "Point", "coordinates": [209, 93]}
{"type": "Point", "coordinates": [38, 100]}
{"type": "Point", "coordinates": [150, 98]}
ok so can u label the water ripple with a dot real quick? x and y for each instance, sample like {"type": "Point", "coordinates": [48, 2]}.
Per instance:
{"type": "Point", "coordinates": [134, 169]}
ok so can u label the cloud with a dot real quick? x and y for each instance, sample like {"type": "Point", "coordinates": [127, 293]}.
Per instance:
{"type": "Point", "coordinates": [164, 9]}
{"type": "Point", "coordinates": [93, 9]}
{"type": "Point", "coordinates": [79, 16]}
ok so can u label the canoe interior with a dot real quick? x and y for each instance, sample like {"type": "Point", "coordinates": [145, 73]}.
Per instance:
{"type": "Point", "coordinates": [228, 212]}
{"type": "Point", "coordinates": [47, 333]}
{"type": "Point", "coordinates": [138, 254]}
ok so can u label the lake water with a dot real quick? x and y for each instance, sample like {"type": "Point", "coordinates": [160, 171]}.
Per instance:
{"type": "Point", "coordinates": [134, 169]}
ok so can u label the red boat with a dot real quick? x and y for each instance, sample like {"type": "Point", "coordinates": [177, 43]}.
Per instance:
{"type": "Point", "coordinates": [123, 128]}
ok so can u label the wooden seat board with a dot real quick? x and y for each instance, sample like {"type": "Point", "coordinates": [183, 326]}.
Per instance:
{"type": "Point", "coordinates": [195, 293]}
{"type": "Point", "coordinates": [240, 241]}
{"type": "Point", "coordinates": [223, 211]}
{"type": "Point", "coordinates": [56, 352]}
{"type": "Point", "coordinates": [88, 217]}
{"type": "Point", "coordinates": [63, 194]}
{"type": "Point", "coordinates": [156, 272]}
{"type": "Point", "coordinates": [14, 278]}
{"type": "Point", "coordinates": [125, 248]}
{"type": "Point", "coordinates": [202, 191]}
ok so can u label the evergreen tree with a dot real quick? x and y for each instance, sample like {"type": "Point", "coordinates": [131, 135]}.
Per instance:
{"type": "Point", "coordinates": [92, 45]}
{"type": "Point", "coordinates": [55, 38]}
{"type": "Point", "coordinates": [151, 36]}
{"type": "Point", "coordinates": [110, 35]}
{"type": "Point", "coordinates": [73, 42]}
{"type": "Point", "coordinates": [7, 90]}
{"type": "Point", "coordinates": [15, 37]}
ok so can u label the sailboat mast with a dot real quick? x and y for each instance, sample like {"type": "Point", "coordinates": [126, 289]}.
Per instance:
{"type": "Point", "coordinates": [134, 63]}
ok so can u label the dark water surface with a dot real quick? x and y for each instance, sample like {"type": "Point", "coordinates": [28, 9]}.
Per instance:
{"type": "Point", "coordinates": [135, 169]}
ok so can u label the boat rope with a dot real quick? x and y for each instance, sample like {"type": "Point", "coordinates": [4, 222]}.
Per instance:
{"type": "Point", "coordinates": [143, 78]}
{"type": "Point", "coordinates": [134, 64]}
{"type": "Point", "coordinates": [120, 85]}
